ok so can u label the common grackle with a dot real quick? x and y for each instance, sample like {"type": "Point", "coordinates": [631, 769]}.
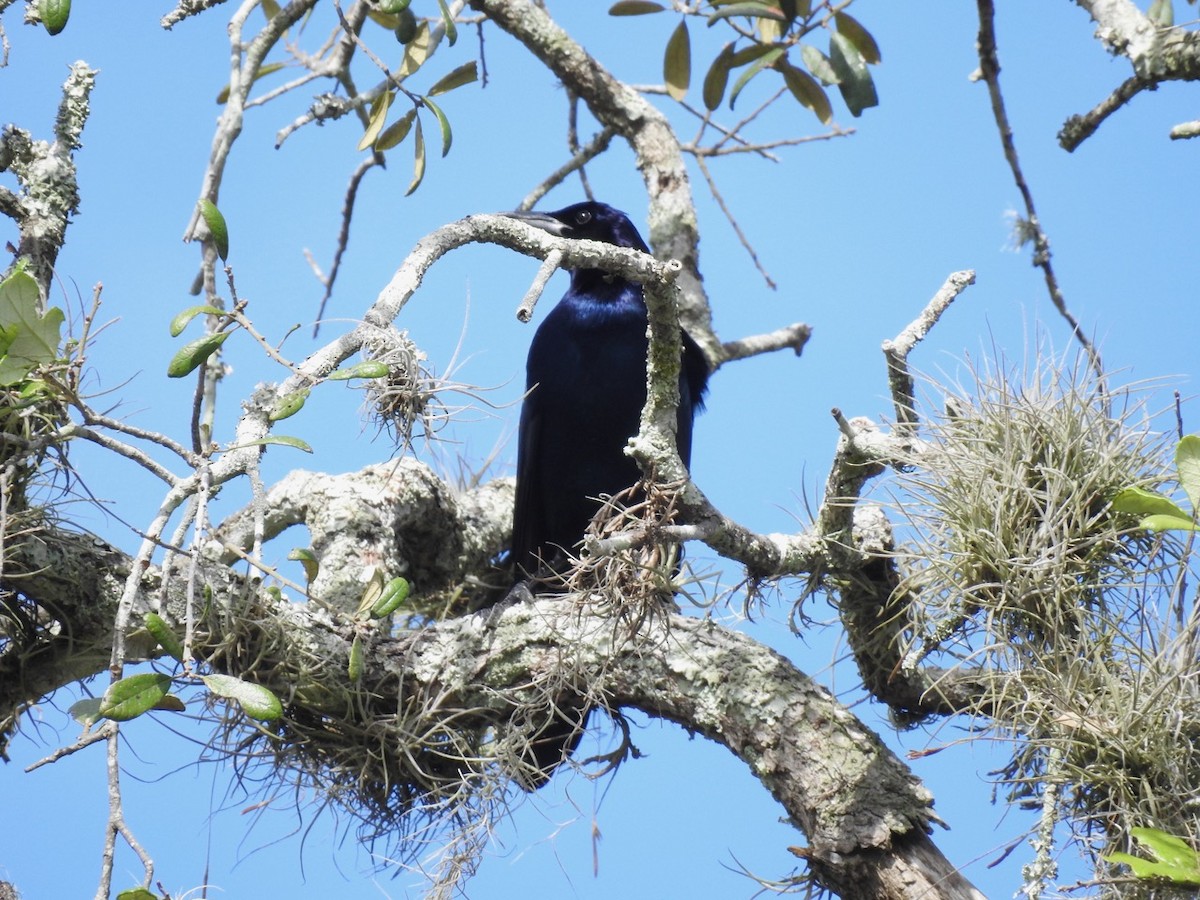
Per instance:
{"type": "Point", "coordinates": [586, 386]}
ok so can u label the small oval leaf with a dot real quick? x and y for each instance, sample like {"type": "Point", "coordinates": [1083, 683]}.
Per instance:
{"type": "Point", "coordinates": [217, 229]}
{"type": "Point", "coordinates": [448, 23]}
{"type": "Point", "coordinates": [288, 405]}
{"type": "Point", "coordinates": [763, 62]}
{"type": "Point", "coordinates": [394, 593]}
{"type": "Point", "coordinates": [818, 63]}
{"type": "Point", "coordinates": [677, 62]}
{"type": "Point", "coordinates": [195, 353]}
{"type": "Point", "coordinates": [285, 439]}
{"type": "Point", "coordinates": [162, 633]}
{"type": "Point", "coordinates": [182, 319]}
{"type": "Point", "coordinates": [1187, 461]}
{"type": "Point", "coordinates": [355, 666]}
{"type": "Point", "coordinates": [405, 28]}
{"type": "Point", "coordinates": [416, 51]}
{"type": "Point", "coordinates": [854, 79]}
{"type": "Point", "coordinates": [137, 893]}
{"type": "Point", "coordinates": [464, 74]}
{"type": "Point", "coordinates": [254, 699]}
{"type": "Point", "coordinates": [717, 78]}
{"type": "Point", "coordinates": [753, 10]}
{"type": "Point", "coordinates": [418, 159]}
{"type": "Point", "coordinates": [308, 560]}
{"type": "Point", "coordinates": [54, 14]}
{"type": "Point", "coordinates": [130, 697]}
{"type": "Point", "coordinates": [858, 36]}
{"type": "Point", "coordinates": [396, 132]}
{"type": "Point", "coordinates": [634, 8]}
{"type": "Point", "coordinates": [371, 368]}
{"type": "Point", "coordinates": [1141, 502]}
{"type": "Point", "coordinates": [85, 711]}
{"type": "Point", "coordinates": [443, 123]}
{"type": "Point", "coordinates": [379, 110]}
{"type": "Point", "coordinates": [806, 90]}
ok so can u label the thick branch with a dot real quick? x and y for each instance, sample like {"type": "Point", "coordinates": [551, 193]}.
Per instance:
{"type": "Point", "coordinates": [864, 814]}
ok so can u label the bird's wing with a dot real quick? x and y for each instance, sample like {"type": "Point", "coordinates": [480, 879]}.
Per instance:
{"type": "Point", "coordinates": [527, 511]}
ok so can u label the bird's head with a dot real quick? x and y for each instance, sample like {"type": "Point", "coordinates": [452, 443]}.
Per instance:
{"type": "Point", "coordinates": [590, 221]}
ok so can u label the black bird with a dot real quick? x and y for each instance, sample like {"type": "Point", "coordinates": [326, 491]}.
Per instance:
{"type": "Point", "coordinates": [586, 386]}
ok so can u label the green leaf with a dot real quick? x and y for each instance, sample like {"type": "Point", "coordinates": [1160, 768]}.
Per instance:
{"type": "Point", "coordinates": [130, 697]}
{"type": "Point", "coordinates": [163, 633]}
{"type": "Point", "coordinates": [393, 6]}
{"type": "Point", "coordinates": [308, 560]}
{"type": "Point", "coordinates": [1174, 858]}
{"type": "Point", "coordinates": [195, 353]}
{"type": "Point", "coordinates": [749, 54]}
{"type": "Point", "coordinates": [1165, 847]}
{"type": "Point", "coordinates": [455, 78]}
{"type": "Point", "coordinates": [418, 160]}
{"type": "Point", "coordinates": [217, 229]}
{"type": "Point", "coordinates": [1141, 502]}
{"type": "Point", "coordinates": [270, 9]}
{"type": "Point", "coordinates": [394, 593]}
{"type": "Point", "coordinates": [717, 78]}
{"type": "Point", "coordinates": [171, 703]}
{"type": "Point", "coordinates": [182, 319]}
{"type": "Point", "coordinates": [755, 10]}
{"type": "Point", "coordinates": [54, 14]}
{"type": "Point", "coordinates": [1187, 461]}
{"type": "Point", "coordinates": [744, 79]}
{"type": "Point", "coordinates": [854, 80]}
{"type": "Point", "coordinates": [1168, 523]}
{"type": "Point", "coordinates": [30, 339]}
{"type": "Point", "coordinates": [354, 667]}
{"type": "Point", "coordinates": [85, 711]}
{"type": "Point", "coordinates": [405, 27]}
{"type": "Point", "coordinates": [1161, 13]}
{"type": "Point", "coordinates": [288, 405]}
{"type": "Point", "coordinates": [806, 90]}
{"type": "Point", "coordinates": [634, 8]}
{"type": "Point", "coordinates": [818, 63]}
{"type": "Point", "coordinates": [396, 132]}
{"type": "Point", "coordinates": [285, 439]}
{"type": "Point", "coordinates": [138, 893]}
{"type": "Point", "coordinates": [371, 368]}
{"type": "Point", "coordinates": [448, 22]}
{"type": "Point", "coordinates": [858, 36]}
{"type": "Point", "coordinates": [254, 699]}
{"type": "Point", "coordinates": [416, 51]}
{"type": "Point", "coordinates": [372, 592]}
{"type": "Point", "coordinates": [378, 116]}
{"type": "Point", "coordinates": [443, 123]}
{"type": "Point", "coordinates": [677, 62]}
{"type": "Point", "coordinates": [263, 72]}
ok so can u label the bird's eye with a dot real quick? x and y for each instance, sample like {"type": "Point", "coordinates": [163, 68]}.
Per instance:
{"type": "Point", "coordinates": [583, 217]}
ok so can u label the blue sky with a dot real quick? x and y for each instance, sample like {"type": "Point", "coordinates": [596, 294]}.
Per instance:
{"type": "Point", "coordinates": [857, 232]}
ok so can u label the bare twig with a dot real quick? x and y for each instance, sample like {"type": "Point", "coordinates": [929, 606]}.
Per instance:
{"type": "Point", "coordinates": [1078, 129]}
{"type": "Point", "coordinates": [793, 336]}
{"type": "Point", "coordinates": [548, 267]}
{"type": "Point", "coordinates": [343, 238]}
{"type": "Point", "coordinates": [737, 229]}
{"type": "Point", "coordinates": [597, 145]}
{"type": "Point", "coordinates": [896, 351]}
{"type": "Point", "coordinates": [989, 65]}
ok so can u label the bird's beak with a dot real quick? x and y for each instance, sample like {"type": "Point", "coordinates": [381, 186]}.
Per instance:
{"type": "Point", "coordinates": [546, 223]}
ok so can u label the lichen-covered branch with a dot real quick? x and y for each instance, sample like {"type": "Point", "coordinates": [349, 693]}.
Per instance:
{"type": "Point", "coordinates": [49, 193]}
{"type": "Point", "coordinates": [1156, 55]}
{"type": "Point", "coordinates": [863, 813]}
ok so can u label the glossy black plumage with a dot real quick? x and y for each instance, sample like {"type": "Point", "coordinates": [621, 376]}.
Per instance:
{"type": "Point", "coordinates": [586, 378]}
{"type": "Point", "coordinates": [586, 383]}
